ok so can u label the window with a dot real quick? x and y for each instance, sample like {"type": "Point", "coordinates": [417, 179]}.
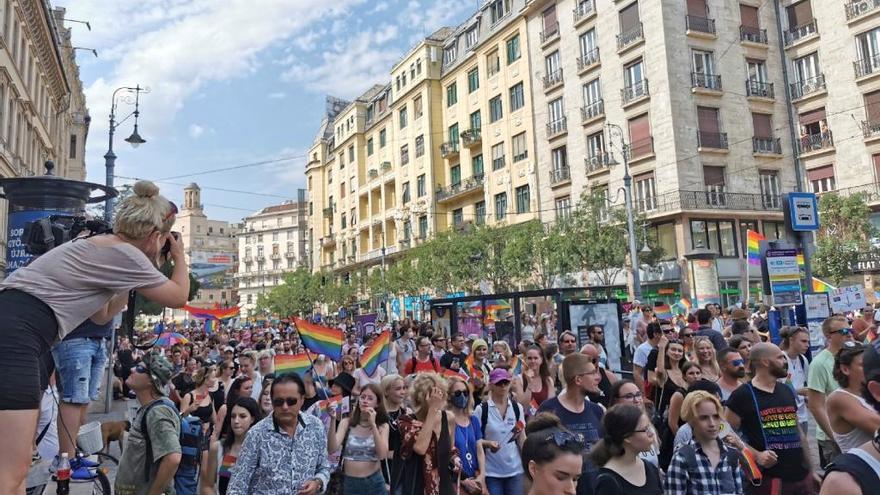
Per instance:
{"type": "Point", "coordinates": [709, 127]}
{"type": "Point", "coordinates": [520, 147]}
{"type": "Point", "coordinates": [821, 179]}
{"type": "Point", "coordinates": [470, 37]}
{"type": "Point", "coordinates": [663, 236]}
{"type": "Point", "coordinates": [646, 192]}
{"type": "Point", "coordinates": [806, 68]}
{"type": "Point", "coordinates": [629, 20]}
{"type": "Point", "coordinates": [457, 217]}
{"type": "Point", "coordinates": [402, 117]}
{"type": "Point", "coordinates": [495, 110]}
{"type": "Point", "coordinates": [407, 230]}
{"type": "Point", "coordinates": [423, 227]}
{"type": "Point", "coordinates": [522, 199]}
{"type": "Point", "coordinates": [551, 26]}
{"type": "Point", "coordinates": [493, 63]}
{"type": "Point", "coordinates": [588, 45]}
{"type": "Point", "coordinates": [480, 212]}
{"type": "Point", "coordinates": [420, 186]}
{"type": "Point", "coordinates": [353, 219]}
{"type": "Point", "coordinates": [592, 96]}
{"type": "Point", "coordinates": [596, 145]}
{"type": "Point", "coordinates": [769, 188]}
{"type": "Point", "coordinates": [449, 54]}
{"type": "Point", "coordinates": [477, 166]}
{"type": "Point", "coordinates": [714, 235]}
{"type": "Point", "coordinates": [420, 145]}
{"type": "Point", "coordinates": [404, 154]}
{"type": "Point", "coordinates": [634, 74]}
{"type": "Point", "coordinates": [556, 111]}
{"type": "Point", "coordinates": [455, 176]}
{"type": "Point", "coordinates": [552, 63]}
{"type": "Point", "coordinates": [473, 80]}
{"type": "Point", "coordinates": [451, 95]}
{"type": "Point", "coordinates": [343, 221]}
{"type": "Point", "coordinates": [418, 66]}
{"type": "Point", "coordinates": [341, 191]}
{"type": "Point", "coordinates": [868, 47]}
{"type": "Point", "coordinates": [417, 107]}
{"type": "Point", "coordinates": [773, 230]}
{"type": "Point", "coordinates": [351, 153]}
{"type": "Point", "coordinates": [405, 197]}
{"type": "Point", "coordinates": [513, 52]}
{"type": "Point", "coordinates": [713, 179]}
{"type": "Point", "coordinates": [640, 140]}
{"type": "Point", "coordinates": [498, 9]}
{"type": "Point", "coordinates": [560, 159]}
{"type": "Point", "coordinates": [500, 206]}
{"type": "Point", "coordinates": [703, 62]}
{"type": "Point", "coordinates": [517, 97]}
{"type": "Point", "coordinates": [498, 156]}
{"type": "Point", "coordinates": [72, 154]}
{"type": "Point", "coordinates": [757, 70]}
{"type": "Point", "coordinates": [370, 147]}
{"type": "Point", "coordinates": [453, 134]}
{"type": "Point", "coordinates": [476, 120]}
{"type": "Point", "coordinates": [382, 138]}
{"type": "Point", "coordinates": [563, 207]}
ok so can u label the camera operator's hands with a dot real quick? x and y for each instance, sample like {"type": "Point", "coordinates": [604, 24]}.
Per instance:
{"type": "Point", "coordinates": [176, 253]}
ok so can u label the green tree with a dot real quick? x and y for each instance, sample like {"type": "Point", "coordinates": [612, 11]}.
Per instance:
{"type": "Point", "coordinates": [144, 306]}
{"type": "Point", "coordinates": [295, 296]}
{"type": "Point", "coordinates": [845, 231]}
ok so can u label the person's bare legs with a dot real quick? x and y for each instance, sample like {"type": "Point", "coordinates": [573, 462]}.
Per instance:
{"type": "Point", "coordinates": [17, 429]}
{"type": "Point", "coordinates": [70, 419]}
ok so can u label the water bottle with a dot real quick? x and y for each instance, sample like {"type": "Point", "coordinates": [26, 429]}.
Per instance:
{"type": "Point", "coordinates": [62, 476]}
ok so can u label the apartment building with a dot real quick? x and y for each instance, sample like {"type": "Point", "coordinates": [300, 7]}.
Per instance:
{"type": "Point", "coordinates": [694, 93]}
{"type": "Point", "coordinates": [271, 242]}
{"type": "Point", "coordinates": [43, 114]}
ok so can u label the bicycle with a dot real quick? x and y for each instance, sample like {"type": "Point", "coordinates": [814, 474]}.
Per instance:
{"type": "Point", "coordinates": [100, 481]}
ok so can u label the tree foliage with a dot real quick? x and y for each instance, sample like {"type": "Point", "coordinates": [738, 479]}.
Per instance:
{"type": "Point", "coordinates": [295, 296]}
{"type": "Point", "coordinates": [845, 231]}
{"type": "Point", "coordinates": [144, 306]}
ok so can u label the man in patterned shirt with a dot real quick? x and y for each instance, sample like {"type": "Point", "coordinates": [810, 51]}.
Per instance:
{"type": "Point", "coordinates": [285, 453]}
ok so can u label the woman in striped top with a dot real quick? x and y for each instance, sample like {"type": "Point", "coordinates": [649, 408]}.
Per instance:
{"type": "Point", "coordinates": [223, 454]}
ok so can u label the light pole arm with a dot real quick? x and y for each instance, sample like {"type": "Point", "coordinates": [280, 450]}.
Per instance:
{"type": "Point", "coordinates": [628, 202]}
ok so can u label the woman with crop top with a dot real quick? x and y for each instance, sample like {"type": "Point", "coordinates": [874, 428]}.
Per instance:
{"type": "Point", "coordinates": [83, 279]}
{"type": "Point", "coordinates": [364, 441]}
{"type": "Point", "coordinates": [223, 454]}
{"type": "Point", "coordinates": [853, 421]}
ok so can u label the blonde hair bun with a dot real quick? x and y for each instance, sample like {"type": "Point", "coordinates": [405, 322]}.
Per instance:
{"type": "Point", "coordinates": [145, 189]}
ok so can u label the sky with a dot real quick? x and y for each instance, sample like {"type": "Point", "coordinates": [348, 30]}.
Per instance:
{"type": "Point", "coordinates": [235, 82]}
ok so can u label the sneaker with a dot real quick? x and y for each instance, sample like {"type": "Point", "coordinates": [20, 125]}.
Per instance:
{"type": "Point", "coordinates": [82, 473]}
{"type": "Point", "coordinates": [84, 462]}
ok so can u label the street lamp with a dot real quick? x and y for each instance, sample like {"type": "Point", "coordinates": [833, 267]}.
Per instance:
{"type": "Point", "coordinates": [135, 140]}
{"type": "Point", "coordinates": [614, 129]}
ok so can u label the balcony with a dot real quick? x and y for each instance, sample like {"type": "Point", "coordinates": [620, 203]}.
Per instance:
{"type": "Point", "coordinates": [870, 193]}
{"type": "Point", "coordinates": [455, 190]}
{"type": "Point", "coordinates": [328, 241]}
{"type": "Point", "coordinates": [870, 129]}
{"type": "Point", "coordinates": [798, 33]}
{"type": "Point", "coordinates": [590, 59]}
{"type": "Point", "coordinates": [449, 149]}
{"type": "Point", "coordinates": [599, 162]}
{"type": "Point", "coordinates": [248, 259]}
{"type": "Point", "coordinates": [584, 11]}
{"type": "Point", "coordinates": [471, 137]}
{"type": "Point", "coordinates": [637, 91]}
{"type": "Point", "coordinates": [328, 212]}
{"type": "Point", "coordinates": [592, 111]}
{"type": "Point", "coordinates": [858, 8]}
{"type": "Point", "coordinates": [867, 66]}
{"type": "Point", "coordinates": [758, 89]}
{"type": "Point", "coordinates": [766, 146]}
{"type": "Point", "coordinates": [709, 200]}
{"type": "Point", "coordinates": [809, 143]}
{"type": "Point", "coordinates": [705, 81]}
{"type": "Point", "coordinates": [558, 176]}
{"type": "Point", "coordinates": [275, 256]}
{"type": "Point", "coordinates": [289, 254]}
{"type": "Point", "coordinates": [550, 34]}
{"type": "Point", "coordinates": [755, 35]}
{"type": "Point", "coordinates": [552, 79]}
{"type": "Point", "coordinates": [630, 38]}
{"type": "Point", "coordinates": [557, 128]}
{"type": "Point", "coordinates": [641, 148]}
{"type": "Point", "coordinates": [696, 24]}
{"type": "Point", "coordinates": [807, 87]}
{"type": "Point", "coordinates": [405, 243]}
{"type": "Point", "coordinates": [712, 140]}
{"type": "Point", "coordinates": [261, 258]}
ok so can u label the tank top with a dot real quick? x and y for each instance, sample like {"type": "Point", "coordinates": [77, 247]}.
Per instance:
{"type": "Point", "coordinates": [360, 449]}
{"type": "Point", "coordinates": [203, 412]}
{"type": "Point", "coordinates": [224, 472]}
{"type": "Point", "coordinates": [541, 396]}
{"type": "Point", "coordinates": [856, 437]}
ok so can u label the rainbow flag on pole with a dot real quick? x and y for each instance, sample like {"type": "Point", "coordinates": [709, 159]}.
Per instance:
{"type": "Point", "coordinates": [320, 339]}
{"type": "Point", "coordinates": [822, 286]}
{"type": "Point", "coordinates": [663, 311]}
{"type": "Point", "coordinates": [297, 363]}
{"type": "Point", "coordinates": [754, 247]}
{"type": "Point", "coordinates": [377, 353]}
{"type": "Point", "coordinates": [686, 304]}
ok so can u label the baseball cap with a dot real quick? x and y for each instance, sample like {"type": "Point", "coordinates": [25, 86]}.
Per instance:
{"type": "Point", "coordinates": [498, 375]}
{"type": "Point", "coordinates": [159, 369]}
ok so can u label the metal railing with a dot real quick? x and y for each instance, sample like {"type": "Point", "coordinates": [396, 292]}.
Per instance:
{"type": "Point", "coordinates": [471, 137]}
{"type": "Point", "coordinates": [859, 8]}
{"type": "Point", "coordinates": [635, 91]}
{"type": "Point", "coordinates": [599, 161]}
{"type": "Point", "coordinates": [870, 128]}
{"type": "Point", "coordinates": [559, 175]}
{"type": "Point", "coordinates": [867, 66]}
{"type": "Point", "coordinates": [588, 59]}
{"type": "Point", "coordinates": [803, 88]}
{"type": "Point", "coordinates": [869, 192]}
{"type": "Point", "coordinates": [711, 139]}
{"type": "Point", "coordinates": [759, 89]}
{"type": "Point", "coordinates": [583, 10]}
{"type": "Point", "coordinates": [448, 149]}
{"type": "Point", "coordinates": [699, 24]}
{"type": "Point", "coordinates": [766, 145]}
{"type": "Point", "coordinates": [465, 186]}
{"type": "Point", "coordinates": [557, 127]}
{"type": "Point", "coordinates": [753, 34]}
{"type": "Point", "coordinates": [593, 110]}
{"type": "Point", "coordinates": [642, 147]}
{"type": "Point", "coordinates": [710, 200]}
{"type": "Point", "coordinates": [550, 33]}
{"type": "Point", "coordinates": [815, 142]}
{"type": "Point", "coordinates": [553, 78]}
{"type": "Point", "coordinates": [629, 37]}
{"type": "Point", "coordinates": [707, 81]}
{"type": "Point", "coordinates": [798, 33]}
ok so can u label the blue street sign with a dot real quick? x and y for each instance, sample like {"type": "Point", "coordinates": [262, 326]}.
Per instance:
{"type": "Point", "coordinates": [803, 211]}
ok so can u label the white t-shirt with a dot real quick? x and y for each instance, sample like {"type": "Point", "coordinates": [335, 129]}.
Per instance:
{"type": "Point", "coordinates": [640, 358]}
{"type": "Point", "coordinates": [362, 378]}
{"type": "Point", "coordinates": [798, 370]}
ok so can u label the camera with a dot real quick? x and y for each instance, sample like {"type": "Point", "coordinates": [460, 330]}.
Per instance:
{"type": "Point", "coordinates": [166, 249]}
{"type": "Point", "coordinates": [47, 233]}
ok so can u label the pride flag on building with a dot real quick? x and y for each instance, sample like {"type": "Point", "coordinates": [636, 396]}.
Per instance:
{"type": "Point", "coordinates": [376, 353]}
{"type": "Point", "coordinates": [297, 363]}
{"type": "Point", "coordinates": [320, 339]}
{"type": "Point", "coordinates": [754, 247]}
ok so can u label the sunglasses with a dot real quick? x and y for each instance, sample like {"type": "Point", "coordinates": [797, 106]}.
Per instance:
{"type": "Point", "coordinates": [844, 331]}
{"type": "Point", "coordinates": [668, 330]}
{"type": "Point", "coordinates": [280, 401]}
{"type": "Point", "coordinates": [171, 212]}
{"type": "Point", "coordinates": [631, 396]}
{"type": "Point", "coordinates": [502, 383]}
{"type": "Point", "coordinates": [738, 362]}
{"type": "Point", "coordinates": [460, 393]}
{"type": "Point", "coordinates": [141, 369]}
{"type": "Point", "coordinates": [687, 335]}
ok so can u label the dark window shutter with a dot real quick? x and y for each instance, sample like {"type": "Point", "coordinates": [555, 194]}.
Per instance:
{"type": "Point", "coordinates": [639, 129]}
{"type": "Point", "coordinates": [713, 176]}
{"type": "Point", "coordinates": [872, 106]}
{"type": "Point", "coordinates": [749, 16]}
{"type": "Point", "coordinates": [820, 173]}
{"type": "Point", "coordinates": [697, 8]}
{"type": "Point", "coordinates": [707, 119]}
{"type": "Point", "coordinates": [762, 125]}
{"type": "Point", "coordinates": [629, 18]}
{"type": "Point", "coordinates": [812, 117]}
{"type": "Point", "coordinates": [550, 25]}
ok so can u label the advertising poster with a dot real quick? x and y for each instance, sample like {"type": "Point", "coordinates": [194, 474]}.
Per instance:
{"type": "Point", "coordinates": [213, 269]}
{"type": "Point", "coordinates": [784, 274]}
{"type": "Point", "coordinates": [706, 288]}
{"type": "Point", "coordinates": [846, 299]}
{"type": "Point", "coordinates": [366, 324]}
{"type": "Point", "coordinates": [605, 314]}
{"type": "Point", "coordinates": [817, 308]}
{"type": "Point", "coordinates": [16, 252]}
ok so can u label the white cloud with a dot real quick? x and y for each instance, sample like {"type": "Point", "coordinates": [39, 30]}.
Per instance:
{"type": "Point", "coordinates": [379, 7]}
{"type": "Point", "coordinates": [196, 131]}
{"type": "Point", "coordinates": [277, 95]}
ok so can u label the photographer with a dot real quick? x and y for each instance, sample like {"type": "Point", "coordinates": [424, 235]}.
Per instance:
{"type": "Point", "coordinates": [88, 278]}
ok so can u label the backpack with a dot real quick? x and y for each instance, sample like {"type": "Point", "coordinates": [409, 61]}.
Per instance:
{"type": "Point", "coordinates": [692, 465]}
{"type": "Point", "coordinates": [192, 444]}
{"type": "Point", "coordinates": [484, 416]}
{"type": "Point", "coordinates": [432, 359]}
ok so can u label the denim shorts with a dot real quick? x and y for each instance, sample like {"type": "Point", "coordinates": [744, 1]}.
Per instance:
{"type": "Point", "coordinates": [373, 484]}
{"type": "Point", "coordinates": [80, 365]}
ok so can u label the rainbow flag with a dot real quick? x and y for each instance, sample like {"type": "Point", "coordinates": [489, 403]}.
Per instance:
{"type": "Point", "coordinates": [209, 327]}
{"type": "Point", "coordinates": [297, 363]}
{"type": "Point", "coordinates": [663, 311]}
{"type": "Point", "coordinates": [320, 339]}
{"type": "Point", "coordinates": [217, 313]}
{"type": "Point", "coordinates": [686, 304]}
{"type": "Point", "coordinates": [533, 407]}
{"type": "Point", "coordinates": [751, 469]}
{"type": "Point", "coordinates": [452, 373]}
{"type": "Point", "coordinates": [754, 247]}
{"type": "Point", "coordinates": [822, 286]}
{"type": "Point", "coordinates": [517, 366]}
{"type": "Point", "coordinates": [376, 353]}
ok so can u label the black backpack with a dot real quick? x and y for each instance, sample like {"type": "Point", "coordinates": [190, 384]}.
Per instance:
{"type": "Point", "coordinates": [484, 417]}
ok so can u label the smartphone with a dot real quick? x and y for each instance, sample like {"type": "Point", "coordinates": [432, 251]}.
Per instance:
{"type": "Point", "coordinates": [166, 249]}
